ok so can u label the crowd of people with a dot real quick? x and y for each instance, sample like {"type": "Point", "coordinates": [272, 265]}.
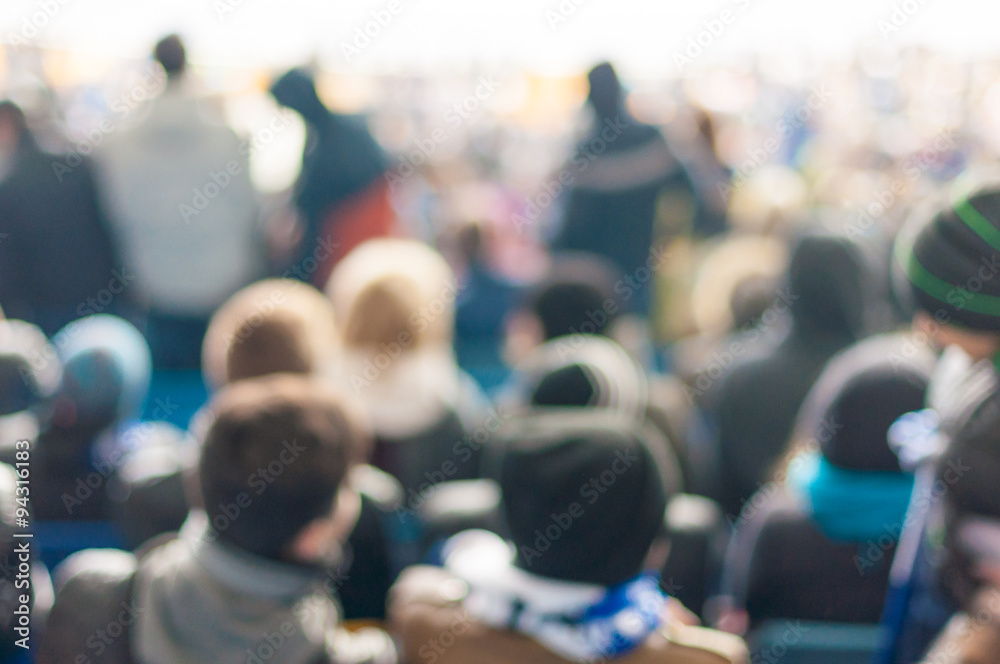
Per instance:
{"type": "Point", "coordinates": [733, 402]}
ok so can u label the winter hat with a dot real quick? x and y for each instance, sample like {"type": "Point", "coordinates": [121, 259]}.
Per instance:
{"type": "Point", "coordinates": [582, 496]}
{"type": "Point", "coordinates": [951, 260]}
{"type": "Point", "coordinates": [859, 395]}
{"type": "Point", "coordinates": [106, 373]}
{"type": "Point", "coordinates": [584, 371]}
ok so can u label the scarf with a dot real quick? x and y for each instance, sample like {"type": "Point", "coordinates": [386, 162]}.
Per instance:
{"type": "Point", "coordinates": [581, 622]}
{"type": "Point", "coordinates": [850, 505]}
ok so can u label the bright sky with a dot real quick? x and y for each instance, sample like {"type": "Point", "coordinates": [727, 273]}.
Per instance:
{"type": "Point", "coordinates": [440, 36]}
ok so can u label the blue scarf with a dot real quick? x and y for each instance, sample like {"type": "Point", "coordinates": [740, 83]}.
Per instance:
{"type": "Point", "coordinates": [850, 505]}
{"type": "Point", "coordinates": [581, 622]}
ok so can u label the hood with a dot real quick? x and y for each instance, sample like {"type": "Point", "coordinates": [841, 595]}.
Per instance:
{"type": "Point", "coordinates": [203, 602]}
{"type": "Point", "coordinates": [827, 279]}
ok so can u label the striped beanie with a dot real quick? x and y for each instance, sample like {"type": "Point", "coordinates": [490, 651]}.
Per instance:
{"type": "Point", "coordinates": [952, 261]}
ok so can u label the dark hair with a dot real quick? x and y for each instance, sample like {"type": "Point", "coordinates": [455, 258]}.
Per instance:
{"type": "Point", "coordinates": [277, 344]}
{"type": "Point", "coordinates": [273, 459]}
{"type": "Point", "coordinates": [170, 53]}
{"type": "Point", "coordinates": [575, 295]}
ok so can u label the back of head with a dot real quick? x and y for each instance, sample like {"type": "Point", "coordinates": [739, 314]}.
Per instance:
{"type": "Point", "coordinates": [860, 394]}
{"type": "Point", "coordinates": [272, 326]}
{"type": "Point", "coordinates": [584, 372]}
{"type": "Point", "coordinates": [278, 448]}
{"type": "Point", "coordinates": [171, 55]}
{"type": "Point", "coordinates": [605, 90]}
{"type": "Point", "coordinates": [827, 280]}
{"type": "Point", "coordinates": [582, 496]}
{"type": "Point", "coordinates": [950, 260]}
{"type": "Point", "coordinates": [297, 90]}
{"type": "Point", "coordinates": [394, 291]}
{"type": "Point", "coordinates": [106, 373]}
{"type": "Point", "coordinates": [576, 296]}
{"type": "Point", "coordinates": [29, 367]}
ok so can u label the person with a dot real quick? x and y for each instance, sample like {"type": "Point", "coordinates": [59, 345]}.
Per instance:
{"type": "Point", "coordinates": [82, 425]}
{"type": "Point", "coordinates": [571, 584]}
{"type": "Point", "coordinates": [619, 171]}
{"type": "Point", "coordinates": [271, 326]}
{"type": "Point", "coordinates": [244, 580]}
{"type": "Point", "coordinates": [58, 256]}
{"type": "Point", "coordinates": [757, 400]}
{"type": "Point", "coordinates": [178, 190]}
{"type": "Point", "coordinates": [817, 542]}
{"type": "Point", "coordinates": [594, 373]}
{"type": "Point", "coordinates": [970, 566]}
{"type": "Point", "coordinates": [947, 255]}
{"type": "Point", "coordinates": [342, 194]}
{"type": "Point", "coordinates": [486, 301]}
{"type": "Point", "coordinates": [394, 300]}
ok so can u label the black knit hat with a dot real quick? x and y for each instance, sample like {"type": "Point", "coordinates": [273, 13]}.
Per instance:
{"type": "Point", "coordinates": [583, 496]}
{"type": "Point", "coordinates": [951, 261]}
{"type": "Point", "coordinates": [859, 395]}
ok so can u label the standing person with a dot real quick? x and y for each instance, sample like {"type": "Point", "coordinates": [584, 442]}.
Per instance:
{"type": "Point", "coordinates": [341, 194]}
{"type": "Point", "coordinates": [189, 249]}
{"type": "Point", "coordinates": [56, 251]}
{"type": "Point", "coordinates": [619, 172]}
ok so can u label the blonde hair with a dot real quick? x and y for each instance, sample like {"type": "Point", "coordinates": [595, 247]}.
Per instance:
{"type": "Point", "coordinates": [393, 290]}
{"type": "Point", "coordinates": [272, 326]}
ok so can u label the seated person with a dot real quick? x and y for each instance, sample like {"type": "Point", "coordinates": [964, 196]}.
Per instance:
{"type": "Point", "coordinates": [244, 580]}
{"type": "Point", "coordinates": [395, 306]}
{"type": "Point", "coordinates": [82, 433]}
{"type": "Point", "coordinates": [272, 326]}
{"type": "Point", "coordinates": [817, 542]}
{"type": "Point", "coordinates": [970, 568]}
{"type": "Point", "coordinates": [584, 500]}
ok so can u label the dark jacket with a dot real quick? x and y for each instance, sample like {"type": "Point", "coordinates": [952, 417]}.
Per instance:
{"type": "Point", "coordinates": [780, 565]}
{"type": "Point", "coordinates": [759, 399]}
{"type": "Point", "coordinates": [56, 250]}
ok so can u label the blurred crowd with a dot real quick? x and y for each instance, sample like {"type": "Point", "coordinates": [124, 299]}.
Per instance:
{"type": "Point", "coordinates": [706, 373]}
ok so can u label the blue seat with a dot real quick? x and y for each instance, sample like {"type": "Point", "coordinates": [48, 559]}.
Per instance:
{"type": "Point", "coordinates": [57, 540]}
{"type": "Point", "coordinates": [802, 642]}
{"type": "Point", "coordinates": [175, 395]}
